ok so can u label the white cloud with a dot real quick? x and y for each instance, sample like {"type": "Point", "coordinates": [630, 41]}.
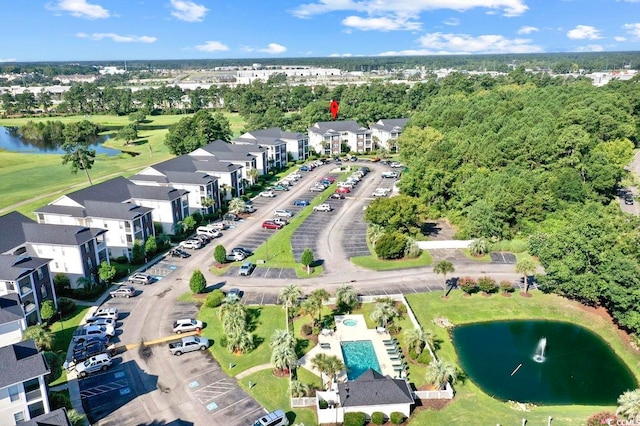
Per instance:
{"type": "Point", "coordinates": [340, 55]}
{"type": "Point", "coordinates": [188, 11]}
{"type": "Point", "coordinates": [273, 48]}
{"type": "Point", "coordinates": [618, 38]}
{"type": "Point", "coordinates": [212, 46]}
{"type": "Point", "coordinates": [582, 32]}
{"type": "Point", "coordinates": [441, 43]}
{"type": "Point", "coordinates": [79, 9]}
{"type": "Point", "coordinates": [452, 22]}
{"type": "Point", "coordinates": [8, 60]}
{"type": "Point", "coordinates": [590, 48]}
{"type": "Point", "coordinates": [633, 29]}
{"type": "Point", "coordinates": [527, 30]}
{"type": "Point", "coordinates": [380, 24]}
{"type": "Point", "coordinates": [117, 37]}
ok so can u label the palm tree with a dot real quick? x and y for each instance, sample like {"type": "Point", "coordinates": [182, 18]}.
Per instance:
{"type": "Point", "coordinates": [329, 365]}
{"type": "Point", "coordinates": [253, 175]}
{"type": "Point", "coordinates": [374, 232]}
{"type": "Point", "coordinates": [232, 307]}
{"type": "Point", "coordinates": [629, 405]}
{"type": "Point", "coordinates": [283, 350]}
{"type": "Point", "coordinates": [444, 267]}
{"type": "Point", "coordinates": [298, 389]}
{"type": "Point", "coordinates": [320, 295]}
{"type": "Point", "coordinates": [417, 339]}
{"type": "Point", "coordinates": [240, 342]}
{"type": "Point", "coordinates": [289, 296]}
{"type": "Point", "coordinates": [311, 307]}
{"type": "Point", "coordinates": [526, 267]}
{"type": "Point", "coordinates": [233, 323]}
{"type": "Point", "coordinates": [42, 338]}
{"type": "Point", "coordinates": [478, 247]}
{"type": "Point", "coordinates": [237, 205]}
{"type": "Point", "coordinates": [320, 362]}
{"type": "Point", "coordinates": [440, 372]}
{"type": "Point", "coordinates": [346, 298]}
{"type": "Point", "coordinates": [383, 312]}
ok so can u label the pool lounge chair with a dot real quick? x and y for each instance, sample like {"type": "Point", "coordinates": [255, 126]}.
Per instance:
{"type": "Point", "coordinates": [325, 345]}
{"type": "Point", "coordinates": [394, 341]}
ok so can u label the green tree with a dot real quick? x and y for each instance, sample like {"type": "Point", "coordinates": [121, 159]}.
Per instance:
{"type": "Point", "coordinates": [478, 247]}
{"type": "Point", "coordinates": [151, 246]}
{"type": "Point", "coordinates": [417, 338]}
{"type": "Point", "coordinates": [440, 372]}
{"type": "Point", "coordinates": [391, 245]}
{"type": "Point", "coordinates": [444, 267]}
{"type": "Point", "coordinates": [283, 351]}
{"type": "Point", "coordinates": [42, 337]}
{"type": "Point", "coordinates": [327, 365]}
{"type": "Point", "coordinates": [220, 254]}
{"type": "Point", "coordinates": [237, 205]}
{"type": "Point", "coordinates": [383, 313]}
{"type": "Point", "coordinates": [240, 342]}
{"type": "Point", "coordinates": [311, 307]}
{"type": "Point", "coordinates": [299, 389]}
{"type": "Point", "coordinates": [402, 213]}
{"type": "Point", "coordinates": [47, 310]}
{"type": "Point", "coordinates": [106, 272]}
{"type": "Point", "coordinates": [346, 298]}
{"type": "Point", "coordinates": [319, 296]}
{"type": "Point", "coordinates": [191, 133]}
{"type": "Point", "coordinates": [629, 405]}
{"type": "Point", "coordinates": [137, 253]}
{"type": "Point", "coordinates": [77, 141]}
{"type": "Point", "coordinates": [55, 362]}
{"type": "Point", "coordinates": [289, 297]}
{"type": "Point", "coordinates": [197, 282]}
{"type": "Point", "coordinates": [61, 282]}
{"type": "Point", "coordinates": [138, 117]}
{"type": "Point", "coordinates": [190, 223]}
{"type": "Point", "coordinates": [307, 259]}
{"type": "Point", "coordinates": [128, 133]}
{"type": "Point", "coordinates": [526, 267]}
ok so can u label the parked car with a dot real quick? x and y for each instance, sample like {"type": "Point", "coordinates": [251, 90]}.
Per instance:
{"type": "Point", "coordinates": [106, 313]}
{"type": "Point", "coordinates": [380, 192]}
{"type": "Point", "coordinates": [242, 250]}
{"type": "Point", "coordinates": [279, 188]}
{"type": "Point", "coordinates": [322, 208]}
{"type": "Point", "coordinates": [269, 224]}
{"type": "Point", "coordinates": [389, 175]}
{"type": "Point", "coordinates": [176, 252]}
{"type": "Point", "coordinates": [343, 190]}
{"type": "Point", "coordinates": [301, 203]}
{"type": "Point", "coordinates": [331, 179]}
{"type": "Point", "coordinates": [93, 364]}
{"type": "Point", "coordinates": [123, 291]}
{"type": "Point", "coordinates": [85, 333]}
{"type": "Point", "coordinates": [280, 221]}
{"type": "Point", "coordinates": [283, 213]}
{"type": "Point", "coordinates": [140, 278]}
{"type": "Point", "coordinates": [204, 239]}
{"type": "Point", "coordinates": [274, 418]}
{"type": "Point", "coordinates": [108, 330]}
{"type": "Point", "coordinates": [189, 344]}
{"type": "Point", "coordinates": [304, 169]}
{"type": "Point", "coordinates": [396, 165]}
{"type": "Point", "coordinates": [190, 244]}
{"type": "Point", "coordinates": [209, 232]}
{"type": "Point", "coordinates": [235, 256]}
{"type": "Point", "coordinates": [234, 294]}
{"type": "Point", "coordinates": [187, 324]}
{"type": "Point", "coordinates": [246, 269]}
{"type": "Point", "coordinates": [101, 321]}
{"type": "Point", "coordinates": [92, 348]}
{"type": "Point", "coordinates": [249, 208]}
{"type": "Point", "coordinates": [220, 226]}
{"type": "Point", "coordinates": [230, 217]}
{"type": "Point", "coordinates": [84, 344]}
{"type": "Point", "coordinates": [317, 189]}
{"type": "Point", "coordinates": [268, 194]}
{"type": "Point", "coordinates": [337, 196]}
{"type": "Point", "coordinates": [628, 199]}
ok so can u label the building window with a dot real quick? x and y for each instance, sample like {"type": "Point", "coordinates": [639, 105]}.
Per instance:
{"type": "Point", "coordinates": [18, 417]}
{"type": "Point", "coordinates": [40, 273]}
{"type": "Point", "coordinates": [32, 389]}
{"type": "Point", "coordinates": [14, 393]}
{"type": "Point", "coordinates": [36, 409]}
{"type": "Point", "coordinates": [43, 291]}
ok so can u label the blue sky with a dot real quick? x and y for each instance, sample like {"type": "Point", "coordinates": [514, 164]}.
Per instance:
{"type": "Point", "coordinates": [84, 30]}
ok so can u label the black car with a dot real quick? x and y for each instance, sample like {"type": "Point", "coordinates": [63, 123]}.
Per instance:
{"type": "Point", "coordinates": [242, 250]}
{"type": "Point", "coordinates": [81, 346]}
{"type": "Point", "coordinates": [628, 199]}
{"type": "Point", "coordinates": [92, 348]}
{"type": "Point", "coordinates": [176, 252]}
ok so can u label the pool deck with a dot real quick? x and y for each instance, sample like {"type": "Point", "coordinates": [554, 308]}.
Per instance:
{"type": "Point", "coordinates": [344, 333]}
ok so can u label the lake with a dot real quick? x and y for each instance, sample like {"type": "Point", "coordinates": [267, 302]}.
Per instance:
{"type": "Point", "coordinates": [573, 366]}
{"type": "Point", "coordinates": [11, 141]}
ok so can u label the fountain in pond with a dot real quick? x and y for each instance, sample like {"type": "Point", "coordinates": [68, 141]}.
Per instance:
{"type": "Point", "coordinates": [542, 345]}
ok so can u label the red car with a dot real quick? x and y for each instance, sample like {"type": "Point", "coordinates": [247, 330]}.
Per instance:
{"type": "Point", "coordinates": [329, 178]}
{"type": "Point", "coordinates": [269, 224]}
{"type": "Point", "coordinates": [343, 190]}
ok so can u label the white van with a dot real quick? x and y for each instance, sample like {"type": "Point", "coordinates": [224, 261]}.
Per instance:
{"type": "Point", "coordinates": [274, 418]}
{"type": "Point", "coordinates": [209, 232]}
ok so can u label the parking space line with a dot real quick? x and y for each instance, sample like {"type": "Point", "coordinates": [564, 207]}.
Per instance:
{"type": "Point", "coordinates": [235, 403]}
{"type": "Point", "coordinates": [189, 380]}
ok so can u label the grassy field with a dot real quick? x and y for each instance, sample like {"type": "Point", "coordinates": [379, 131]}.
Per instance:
{"type": "Point", "coordinates": [29, 181]}
{"type": "Point", "coordinates": [63, 332]}
{"type": "Point", "coordinates": [471, 406]}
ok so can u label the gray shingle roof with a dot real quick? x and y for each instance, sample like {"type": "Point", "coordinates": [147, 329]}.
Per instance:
{"type": "Point", "coordinates": [10, 308]}
{"type": "Point", "coordinates": [162, 193]}
{"type": "Point", "coordinates": [69, 235]}
{"type": "Point", "coordinates": [276, 133]}
{"type": "Point", "coordinates": [115, 189]}
{"type": "Point", "coordinates": [390, 124]}
{"type": "Point", "coordinates": [195, 163]}
{"type": "Point", "coordinates": [21, 362]}
{"type": "Point", "coordinates": [324, 127]}
{"type": "Point", "coordinates": [53, 418]}
{"type": "Point", "coordinates": [193, 178]}
{"type": "Point", "coordinates": [372, 388]}
{"type": "Point", "coordinates": [223, 150]}
{"type": "Point", "coordinates": [207, 164]}
{"type": "Point", "coordinates": [12, 233]}
{"type": "Point", "coordinates": [112, 210]}
{"type": "Point", "coordinates": [62, 210]}
{"type": "Point", "coordinates": [13, 268]}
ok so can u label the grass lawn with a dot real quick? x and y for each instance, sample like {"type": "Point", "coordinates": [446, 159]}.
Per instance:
{"type": "Point", "coordinates": [273, 392]}
{"type": "Point", "coordinates": [484, 258]}
{"type": "Point", "coordinates": [374, 263]}
{"type": "Point", "coordinates": [262, 322]}
{"type": "Point", "coordinates": [63, 332]}
{"type": "Point", "coordinates": [472, 406]}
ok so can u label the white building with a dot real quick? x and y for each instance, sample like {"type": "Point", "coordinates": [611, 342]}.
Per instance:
{"type": "Point", "coordinates": [12, 319]}
{"type": "Point", "coordinates": [329, 137]}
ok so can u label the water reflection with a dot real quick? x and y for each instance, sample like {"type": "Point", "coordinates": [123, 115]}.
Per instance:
{"type": "Point", "coordinates": [11, 141]}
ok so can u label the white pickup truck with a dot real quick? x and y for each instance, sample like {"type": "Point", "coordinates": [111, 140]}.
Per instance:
{"type": "Point", "coordinates": [189, 344]}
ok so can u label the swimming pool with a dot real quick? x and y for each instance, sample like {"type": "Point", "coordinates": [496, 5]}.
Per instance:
{"type": "Point", "coordinates": [359, 356]}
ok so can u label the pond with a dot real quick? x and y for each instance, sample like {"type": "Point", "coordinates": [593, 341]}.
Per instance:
{"type": "Point", "coordinates": [11, 141]}
{"type": "Point", "coordinates": [541, 362]}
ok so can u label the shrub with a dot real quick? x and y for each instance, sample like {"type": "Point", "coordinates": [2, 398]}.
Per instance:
{"type": "Point", "coordinates": [220, 254]}
{"type": "Point", "coordinates": [468, 285]}
{"type": "Point", "coordinates": [412, 250]}
{"type": "Point", "coordinates": [424, 357]}
{"type": "Point", "coordinates": [377, 418]}
{"type": "Point", "coordinates": [48, 310]}
{"type": "Point", "coordinates": [323, 404]}
{"type": "Point", "coordinates": [306, 330]}
{"type": "Point", "coordinates": [354, 419]}
{"type": "Point", "coordinates": [393, 328]}
{"type": "Point", "coordinates": [214, 299]}
{"type": "Point", "coordinates": [197, 283]}
{"type": "Point", "coordinates": [151, 246]}
{"type": "Point", "coordinates": [121, 259]}
{"type": "Point", "coordinates": [602, 418]}
{"type": "Point", "coordinates": [197, 217]}
{"type": "Point", "coordinates": [396, 418]}
{"type": "Point", "coordinates": [55, 362]}
{"type": "Point", "coordinates": [487, 284]}
{"type": "Point", "coordinates": [61, 282]}
{"type": "Point", "coordinates": [66, 306]}
{"type": "Point", "coordinates": [59, 400]}
{"type": "Point", "coordinates": [390, 245]}
{"type": "Point", "coordinates": [137, 253]}
{"type": "Point", "coordinates": [401, 308]}
{"type": "Point", "coordinates": [506, 287]}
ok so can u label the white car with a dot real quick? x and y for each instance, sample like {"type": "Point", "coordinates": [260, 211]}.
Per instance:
{"type": "Point", "coordinates": [389, 175]}
{"type": "Point", "coordinates": [283, 213]}
{"type": "Point", "coordinates": [186, 324]}
{"type": "Point", "coordinates": [268, 194]}
{"type": "Point", "coordinates": [322, 208]}
{"type": "Point", "coordinates": [101, 321]}
{"type": "Point", "coordinates": [108, 330]}
{"type": "Point", "coordinates": [380, 192]}
{"type": "Point", "coordinates": [106, 313]}
{"type": "Point", "coordinates": [123, 291]}
{"type": "Point", "coordinates": [93, 364]}
{"type": "Point", "coordinates": [190, 244]}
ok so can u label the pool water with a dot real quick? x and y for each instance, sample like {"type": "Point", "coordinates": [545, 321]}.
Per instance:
{"type": "Point", "coordinates": [359, 356]}
{"type": "Point", "coordinates": [350, 322]}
